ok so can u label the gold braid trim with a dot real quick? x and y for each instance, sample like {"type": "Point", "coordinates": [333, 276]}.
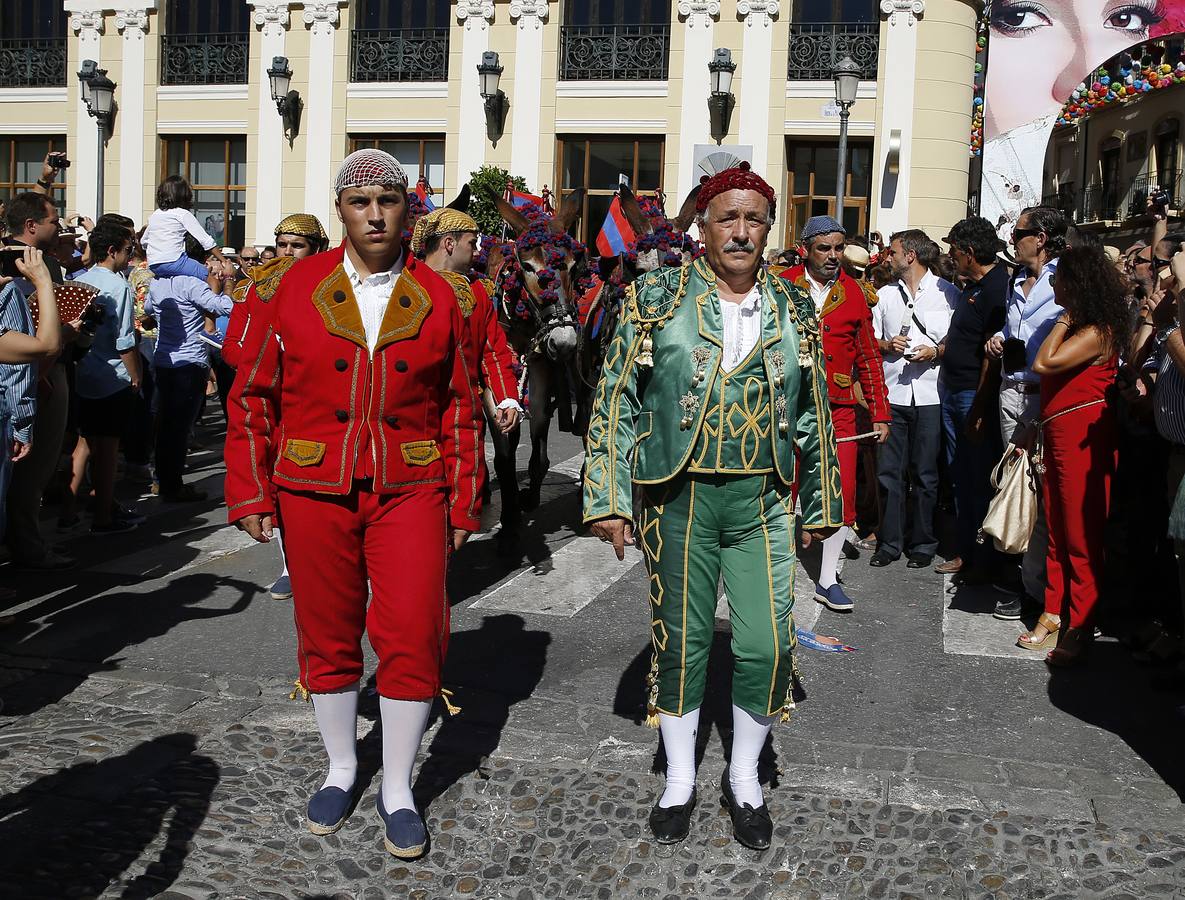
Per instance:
{"type": "Point", "coordinates": [300, 691]}
{"type": "Point", "coordinates": [652, 699]}
{"type": "Point", "coordinates": [450, 707]}
{"type": "Point", "coordinates": [463, 289]}
{"type": "Point", "coordinates": [267, 276]}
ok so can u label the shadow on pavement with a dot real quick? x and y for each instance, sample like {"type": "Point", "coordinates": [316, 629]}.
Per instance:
{"type": "Point", "coordinates": [89, 629]}
{"type": "Point", "coordinates": [1111, 692]}
{"type": "Point", "coordinates": [716, 712]}
{"type": "Point", "coordinates": [76, 832]}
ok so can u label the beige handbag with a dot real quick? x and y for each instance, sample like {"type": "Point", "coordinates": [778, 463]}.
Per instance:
{"type": "Point", "coordinates": [1012, 513]}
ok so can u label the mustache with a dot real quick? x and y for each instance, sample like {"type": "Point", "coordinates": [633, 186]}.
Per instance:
{"type": "Point", "coordinates": [745, 247]}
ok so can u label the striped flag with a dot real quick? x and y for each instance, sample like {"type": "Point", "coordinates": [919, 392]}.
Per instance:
{"type": "Point", "coordinates": [616, 233]}
{"type": "Point", "coordinates": [425, 193]}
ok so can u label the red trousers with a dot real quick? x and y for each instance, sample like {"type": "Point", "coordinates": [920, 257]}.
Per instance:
{"type": "Point", "coordinates": [843, 420]}
{"type": "Point", "coordinates": [1080, 458]}
{"type": "Point", "coordinates": [398, 542]}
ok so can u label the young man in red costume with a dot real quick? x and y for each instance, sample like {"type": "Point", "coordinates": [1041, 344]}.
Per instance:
{"type": "Point", "coordinates": [354, 381]}
{"type": "Point", "coordinates": [849, 344]}
{"type": "Point", "coordinates": [446, 240]}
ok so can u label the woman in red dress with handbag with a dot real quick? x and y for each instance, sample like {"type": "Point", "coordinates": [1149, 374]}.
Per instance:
{"type": "Point", "coordinates": [1077, 441]}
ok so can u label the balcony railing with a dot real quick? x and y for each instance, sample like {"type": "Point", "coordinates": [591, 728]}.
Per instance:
{"type": "Point", "coordinates": [1065, 198]}
{"type": "Point", "coordinates": [1107, 202]}
{"type": "Point", "coordinates": [204, 58]}
{"type": "Point", "coordinates": [614, 52]}
{"type": "Point", "coordinates": [815, 49]}
{"type": "Point", "coordinates": [399, 54]}
{"type": "Point", "coordinates": [32, 63]}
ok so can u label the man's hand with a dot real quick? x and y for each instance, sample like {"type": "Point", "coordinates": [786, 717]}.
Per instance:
{"type": "Point", "coordinates": [506, 419]}
{"type": "Point", "coordinates": [459, 536]}
{"type": "Point", "coordinates": [994, 347]}
{"type": "Point", "coordinates": [924, 354]}
{"type": "Point", "coordinates": [48, 172]}
{"type": "Point", "coordinates": [259, 527]}
{"type": "Point", "coordinates": [20, 449]}
{"type": "Point", "coordinates": [899, 344]}
{"type": "Point", "coordinates": [615, 531]}
{"type": "Point", "coordinates": [882, 431]}
{"type": "Point", "coordinates": [816, 534]}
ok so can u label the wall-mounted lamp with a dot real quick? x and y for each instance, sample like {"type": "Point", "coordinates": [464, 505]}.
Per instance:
{"type": "Point", "coordinates": [489, 74]}
{"type": "Point", "coordinates": [721, 101]}
{"type": "Point", "coordinates": [288, 102]}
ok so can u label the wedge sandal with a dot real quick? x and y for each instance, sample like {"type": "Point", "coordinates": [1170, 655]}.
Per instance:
{"type": "Point", "coordinates": [1051, 626]}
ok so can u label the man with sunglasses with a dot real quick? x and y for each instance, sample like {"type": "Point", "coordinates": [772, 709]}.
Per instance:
{"type": "Point", "coordinates": [1037, 240]}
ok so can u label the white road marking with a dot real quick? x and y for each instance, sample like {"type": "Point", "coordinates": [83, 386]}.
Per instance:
{"type": "Point", "coordinates": [552, 488]}
{"type": "Point", "coordinates": [564, 583]}
{"type": "Point", "coordinates": [152, 563]}
{"type": "Point", "coordinates": [968, 628]}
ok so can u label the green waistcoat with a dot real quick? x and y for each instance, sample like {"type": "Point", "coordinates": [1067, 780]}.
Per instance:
{"type": "Point", "coordinates": [735, 436]}
{"type": "Point", "coordinates": [653, 397]}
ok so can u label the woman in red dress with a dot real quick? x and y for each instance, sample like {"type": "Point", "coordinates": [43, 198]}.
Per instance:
{"type": "Point", "coordinates": [1078, 441]}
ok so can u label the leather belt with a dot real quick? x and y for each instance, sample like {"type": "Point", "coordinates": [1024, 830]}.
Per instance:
{"type": "Point", "coordinates": [1024, 387]}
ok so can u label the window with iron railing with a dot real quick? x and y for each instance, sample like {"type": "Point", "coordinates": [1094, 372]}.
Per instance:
{"type": "Point", "coordinates": [205, 42]}
{"type": "Point", "coordinates": [32, 45]}
{"type": "Point", "coordinates": [823, 32]}
{"type": "Point", "coordinates": [615, 40]}
{"type": "Point", "coordinates": [394, 40]}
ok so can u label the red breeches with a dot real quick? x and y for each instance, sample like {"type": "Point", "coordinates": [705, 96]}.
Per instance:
{"type": "Point", "coordinates": [1080, 457]}
{"type": "Point", "coordinates": [334, 546]}
{"type": "Point", "coordinates": [843, 420]}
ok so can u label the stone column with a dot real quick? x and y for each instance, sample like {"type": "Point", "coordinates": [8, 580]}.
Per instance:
{"type": "Point", "coordinates": [477, 16]}
{"type": "Point", "coordinates": [694, 126]}
{"type": "Point", "coordinates": [132, 23]}
{"type": "Point", "coordinates": [528, 77]}
{"type": "Point", "coordinates": [322, 19]}
{"type": "Point", "coordinates": [271, 17]}
{"type": "Point", "coordinates": [756, 71]}
{"type": "Point", "coordinates": [87, 25]}
{"type": "Point", "coordinates": [895, 132]}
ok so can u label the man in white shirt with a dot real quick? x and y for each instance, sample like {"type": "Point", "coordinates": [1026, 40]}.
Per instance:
{"type": "Point", "coordinates": [911, 320]}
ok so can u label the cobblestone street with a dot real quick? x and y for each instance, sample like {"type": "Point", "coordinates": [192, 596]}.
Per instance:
{"type": "Point", "coordinates": [148, 746]}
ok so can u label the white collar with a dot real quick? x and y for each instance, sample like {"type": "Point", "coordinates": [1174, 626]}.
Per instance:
{"type": "Point", "coordinates": [927, 281]}
{"type": "Point", "coordinates": [817, 285]}
{"type": "Point", "coordinates": [376, 278]}
{"type": "Point", "coordinates": [750, 303]}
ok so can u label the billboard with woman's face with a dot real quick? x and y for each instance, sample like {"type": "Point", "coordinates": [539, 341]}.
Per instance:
{"type": "Point", "coordinates": [1039, 52]}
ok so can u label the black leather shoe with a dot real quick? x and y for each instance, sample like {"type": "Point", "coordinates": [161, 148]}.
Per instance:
{"type": "Point", "coordinates": [850, 551]}
{"type": "Point", "coordinates": [880, 558]}
{"type": "Point", "coordinates": [752, 827]}
{"type": "Point", "coordinates": [920, 561]}
{"type": "Point", "coordinates": [671, 824]}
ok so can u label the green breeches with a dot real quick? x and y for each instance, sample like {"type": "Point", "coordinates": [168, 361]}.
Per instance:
{"type": "Point", "coordinates": [695, 529]}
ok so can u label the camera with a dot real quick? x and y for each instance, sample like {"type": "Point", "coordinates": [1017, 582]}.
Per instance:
{"type": "Point", "coordinates": [1158, 199]}
{"type": "Point", "coordinates": [1013, 359]}
{"type": "Point", "coordinates": [58, 161]}
{"type": "Point", "coordinates": [91, 319]}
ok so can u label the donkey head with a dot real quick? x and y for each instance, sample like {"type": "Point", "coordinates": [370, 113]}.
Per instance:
{"type": "Point", "coordinates": [552, 263]}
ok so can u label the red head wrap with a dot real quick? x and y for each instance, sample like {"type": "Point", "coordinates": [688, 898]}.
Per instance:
{"type": "Point", "coordinates": [738, 178]}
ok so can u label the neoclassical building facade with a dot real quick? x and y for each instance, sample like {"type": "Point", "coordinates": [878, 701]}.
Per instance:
{"type": "Point", "coordinates": [594, 90]}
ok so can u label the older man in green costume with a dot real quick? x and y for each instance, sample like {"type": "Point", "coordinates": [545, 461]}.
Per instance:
{"type": "Point", "coordinates": [711, 408]}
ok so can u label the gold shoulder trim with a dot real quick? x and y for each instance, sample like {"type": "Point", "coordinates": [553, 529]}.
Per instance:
{"type": "Point", "coordinates": [463, 289]}
{"type": "Point", "coordinates": [267, 276]}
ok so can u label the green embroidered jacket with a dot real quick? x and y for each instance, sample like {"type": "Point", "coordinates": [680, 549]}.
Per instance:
{"type": "Point", "coordinates": [660, 379]}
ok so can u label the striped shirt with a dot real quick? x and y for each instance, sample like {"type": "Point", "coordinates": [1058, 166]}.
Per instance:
{"type": "Point", "coordinates": [1170, 400]}
{"type": "Point", "coordinates": [18, 381]}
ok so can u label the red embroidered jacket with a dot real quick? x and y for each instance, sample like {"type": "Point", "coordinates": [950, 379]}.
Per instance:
{"type": "Point", "coordinates": [489, 357]}
{"type": "Point", "coordinates": [849, 344]}
{"type": "Point", "coordinates": [310, 395]}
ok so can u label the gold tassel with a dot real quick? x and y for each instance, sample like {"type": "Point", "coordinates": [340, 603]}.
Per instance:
{"type": "Point", "coordinates": [652, 720]}
{"type": "Point", "coordinates": [299, 691]}
{"type": "Point", "coordinates": [450, 707]}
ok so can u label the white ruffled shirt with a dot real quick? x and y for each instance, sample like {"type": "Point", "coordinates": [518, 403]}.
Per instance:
{"type": "Point", "coordinates": [742, 328]}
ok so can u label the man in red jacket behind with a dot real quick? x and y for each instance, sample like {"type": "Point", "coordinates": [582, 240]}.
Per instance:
{"type": "Point", "coordinates": [354, 381]}
{"type": "Point", "coordinates": [849, 343]}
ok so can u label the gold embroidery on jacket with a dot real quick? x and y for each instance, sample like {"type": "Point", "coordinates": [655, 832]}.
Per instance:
{"type": "Point", "coordinates": [304, 453]}
{"type": "Point", "coordinates": [419, 453]}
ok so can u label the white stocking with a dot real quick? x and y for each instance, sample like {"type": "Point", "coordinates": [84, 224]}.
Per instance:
{"type": "Point", "coordinates": [678, 739]}
{"type": "Point", "coordinates": [403, 729]}
{"type": "Point", "coordinates": [748, 737]}
{"type": "Point", "coordinates": [337, 718]}
{"type": "Point", "coordinates": [280, 546]}
{"type": "Point", "coordinates": [829, 564]}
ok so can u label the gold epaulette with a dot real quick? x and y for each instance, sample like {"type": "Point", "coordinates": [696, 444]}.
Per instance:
{"type": "Point", "coordinates": [267, 276]}
{"type": "Point", "coordinates": [488, 284]}
{"type": "Point", "coordinates": [658, 294]}
{"type": "Point", "coordinates": [776, 269]}
{"type": "Point", "coordinates": [239, 294]}
{"type": "Point", "coordinates": [870, 294]}
{"type": "Point", "coordinates": [463, 291]}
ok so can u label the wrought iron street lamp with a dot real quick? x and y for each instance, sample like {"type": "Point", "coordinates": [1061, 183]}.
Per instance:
{"type": "Point", "coordinates": [721, 101]}
{"type": "Point", "coordinates": [847, 81]}
{"type": "Point", "coordinates": [288, 102]}
{"type": "Point", "coordinates": [98, 93]}
{"type": "Point", "coordinates": [489, 74]}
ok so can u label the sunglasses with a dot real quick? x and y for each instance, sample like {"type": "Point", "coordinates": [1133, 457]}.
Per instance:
{"type": "Point", "coordinates": [1022, 233]}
